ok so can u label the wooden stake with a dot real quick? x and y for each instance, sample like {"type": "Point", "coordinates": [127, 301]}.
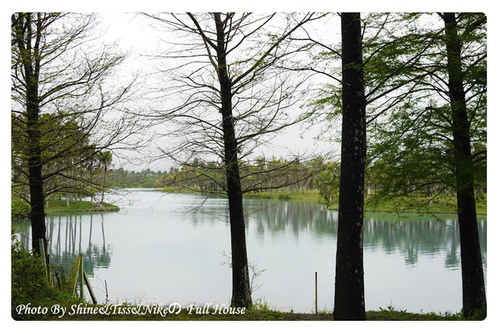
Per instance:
{"type": "Point", "coordinates": [75, 276]}
{"type": "Point", "coordinates": [106, 285]}
{"type": "Point", "coordinates": [91, 292]}
{"type": "Point", "coordinates": [42, 255]}
{"type": "Point", "coordinates": [81, 276]}
{"type": "Point", "coordinates": [316, 289]}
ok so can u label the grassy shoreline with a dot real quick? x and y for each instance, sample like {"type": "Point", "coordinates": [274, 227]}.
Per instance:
{"type": "Point", "coordinates": [439, 207]}
{"type": "Point", "coordinates": [59, 206]}
{"type": "Point", "coordinates": [448, 207]}
{"type": "Point", "coordinates": [82, 311]}
{"type": "Point", "coordinates": [21, 210]}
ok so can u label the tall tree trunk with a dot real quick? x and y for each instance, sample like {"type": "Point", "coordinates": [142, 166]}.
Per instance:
{"type": "Point", "coordinates": [349, 274]}
{"type": "Point", "coordinates": [241, 296]}
{"type": "Point", "coordinates": [473, 288]}
{"type": "Point", "coordinates": [24, 35]}
{"type": "Point", "coordinates": [38, 229]}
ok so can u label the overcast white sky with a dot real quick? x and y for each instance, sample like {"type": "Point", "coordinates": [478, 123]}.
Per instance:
{"type": "Point", "coordinates": [134, 34]}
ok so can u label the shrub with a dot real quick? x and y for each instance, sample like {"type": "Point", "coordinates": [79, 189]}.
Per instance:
{"type": "Point", "coordinates": [30, 284]}
{"type": "Point", "coordinates": [28, 275]}
{"type": "Point", "coordinates": [19, 208]}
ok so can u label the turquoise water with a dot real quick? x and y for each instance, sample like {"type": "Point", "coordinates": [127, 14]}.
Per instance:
{"type": "Point", "coordinates": [164, 248]}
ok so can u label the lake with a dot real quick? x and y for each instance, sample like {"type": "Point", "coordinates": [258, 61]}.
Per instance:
{"type": "Point", "coordinates": [164, 248]}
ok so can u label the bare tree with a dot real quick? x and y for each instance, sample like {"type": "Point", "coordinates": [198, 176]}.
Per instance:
{"type": "Point", "coordinates": [64, 106]}
{"type": "Point", "coordinates": [228, 95]}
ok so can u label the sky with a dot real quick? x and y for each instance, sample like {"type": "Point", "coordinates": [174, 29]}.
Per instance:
{"type": "Point", "coordinates": [134, 35]}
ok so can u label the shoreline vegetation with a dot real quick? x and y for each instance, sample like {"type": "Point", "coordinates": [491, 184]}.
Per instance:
{"type": "Point", "coordinates": [59, 206]}
{"type": "Point", "coordinates": [33, 298]}
{"type": "Point", "coordinates": [389, 206]}
{"type": "Point", "coordinates": [21, 209]}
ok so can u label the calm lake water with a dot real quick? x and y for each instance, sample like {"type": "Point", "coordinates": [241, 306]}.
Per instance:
{"type": "Point", "coordinates": [163, 248]}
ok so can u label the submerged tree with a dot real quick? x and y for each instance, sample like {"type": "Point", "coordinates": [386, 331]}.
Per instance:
{"type": "Point", "coordinates": [229, 96]}
{"type": "Point", "coordinates": [60, 78]}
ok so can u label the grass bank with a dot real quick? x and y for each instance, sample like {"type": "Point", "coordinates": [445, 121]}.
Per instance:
{"type": "Point", "coordinates": [286, 195]}
{"type": "Point", "coordinates": [401, 205]}
{"type": "Point", "coordinates": [278, 194]}
{"type": "Point", "coordinates": [57, 206]}
{"type": "Point", "coordinates": [406, 205]}
{"type": "Point", "coordinates": [412, 205]}
{"type": "Point", "coordinates": [80, 311]}
{"type": "Point", "coordinates": [20, 209]}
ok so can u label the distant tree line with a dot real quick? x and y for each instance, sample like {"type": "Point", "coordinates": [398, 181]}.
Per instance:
{"type": "Point", "coordinates": [275, 174]}
{"type": "Point", "coordinates": [319, 174]}
{"type": "Point", "coordinates": [147, 178]}
{"type": "Point", "coordinates": [257, 176]}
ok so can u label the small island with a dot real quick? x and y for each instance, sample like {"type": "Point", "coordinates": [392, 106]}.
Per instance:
{"type": "Point", "coordinates": [58, 206]}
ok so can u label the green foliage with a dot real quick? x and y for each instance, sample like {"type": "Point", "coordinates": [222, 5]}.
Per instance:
{"type": "Point", "coordinates": [30, 283]}
{"type": "Point", "coordinates": [479, 314]}
{"type": "Point", "coordinates": [391, 313]}
{"type": "Point", "coordinates": [410, 156]}
{"type": "Point", "coordinates": [28, 278]}
{"type": "Point", "coordinates": [327, 182]}
{"type": "Point", "coordinates": [19, 208]}
{"type": "Point", "coordinates": [147, 178]}
{"type": "Point", "coordinates": [261, 305]}
{"type": "Point", "coordinates": [283, 195]}
{"type": "Point", "coordinates": [56, 206]}
{"type": "Point", "coordinates": [67, 156]}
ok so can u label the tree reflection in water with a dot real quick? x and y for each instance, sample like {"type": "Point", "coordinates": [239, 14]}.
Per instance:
{"type": "Point", "coordinates": [66, 235]}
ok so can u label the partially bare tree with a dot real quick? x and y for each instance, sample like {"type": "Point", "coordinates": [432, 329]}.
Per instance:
{"type": "Point", "coordinates": [228, 94]}
{"type": "Point", "coordinates": [64, 105]}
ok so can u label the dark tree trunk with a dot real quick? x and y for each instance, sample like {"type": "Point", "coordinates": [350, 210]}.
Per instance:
{"type": "Point", "coordinates": [349, 274]}
{"type": "Point", "coordinates": [241, 282]}
{"type": "Point", "coordinates": [473, 288]}
{"type": "Point", "coordinates": [23, 32]}
{"type": "Point", "coordinates": [38, 228]}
